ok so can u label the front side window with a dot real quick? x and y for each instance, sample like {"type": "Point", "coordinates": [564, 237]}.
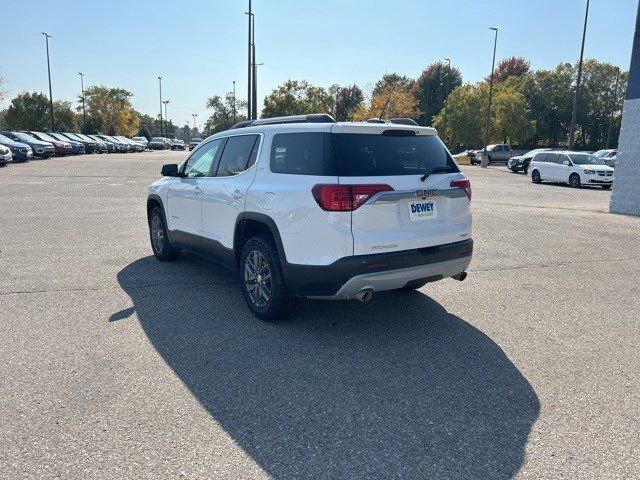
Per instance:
{"type": "Point", "coordinates": [237, 155]}
{"type": "Point", "coordinates": [199, 164]}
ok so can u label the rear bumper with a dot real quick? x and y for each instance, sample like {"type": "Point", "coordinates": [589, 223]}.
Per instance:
{"type": "Point", "coordinates": [379, 272]}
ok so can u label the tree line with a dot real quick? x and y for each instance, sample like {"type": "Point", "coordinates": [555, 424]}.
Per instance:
{"type": "Point", "coordinates": [529, 107]}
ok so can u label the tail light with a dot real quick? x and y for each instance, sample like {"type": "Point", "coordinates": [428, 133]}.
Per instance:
{"type": "Point", "coordinates": [345, 198]}
{"type": "Point", "coordinates": [464, 185]}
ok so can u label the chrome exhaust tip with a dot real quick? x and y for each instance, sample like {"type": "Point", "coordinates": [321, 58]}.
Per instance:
{"type": "Point", "coordinates": [460, 277]}
{"type": "Point", "coordinates": [364, 295]}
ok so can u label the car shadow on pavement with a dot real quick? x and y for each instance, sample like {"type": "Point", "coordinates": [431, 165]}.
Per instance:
{"type": "Point", "coordinates": [395, 388]}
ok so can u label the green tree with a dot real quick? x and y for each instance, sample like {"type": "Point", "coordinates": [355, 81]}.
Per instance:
{"type": "Point", "coordinates": [28, 111]}
{"type": "Point", "coordinates": [66, 119]}
{"type": "Point", "coordinates": [431, 89]}
{"type": "Point", "coordinates": [392, 79]}
{"type": "Point", "coordinates": [111, 109]}
{"type": "Point", "coordinates": [549, 97]}
{"type": "Point", "coordinates": [222, 117]}
{"type": "Point", "coordinates": [297, 98]}
{"type": "Point", "coordinates": [465, 116]}
{"type": "Point", "coordinates": [596, 102]}
{"type": "Point", "coordinates": [512, 120]}
{"type": "Point", "coordinates": [347, 101]}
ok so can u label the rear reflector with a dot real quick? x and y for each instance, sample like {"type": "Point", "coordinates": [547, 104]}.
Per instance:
{"type": "Point", "coordinates": [345, 198]}
{"type": "Point", "coordinates": [464, 185]}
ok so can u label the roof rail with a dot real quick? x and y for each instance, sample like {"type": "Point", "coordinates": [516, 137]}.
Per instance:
{"type": "Point", "coordinates": [309, 118]}
{"type": "Point", "coordinates": [403, 121]}
{"type": "Point", "coordinates": [244, 123]}
{"type": "Point", "coordinates": [375, 120]}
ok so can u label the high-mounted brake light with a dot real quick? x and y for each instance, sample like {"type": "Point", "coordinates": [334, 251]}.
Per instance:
{"type": "Point", "coordinates": [345, 198]}
{"type": "Point", "coordinates": [464, 185]}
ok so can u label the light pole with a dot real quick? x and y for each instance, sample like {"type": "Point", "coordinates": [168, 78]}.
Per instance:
{"type": "Point", "coordinates": [254, 84]}
{"type": "Point", "coordinates": [160, 83]}
{"type": "Point", "coordinates": [446, 95]}
{"type": "Point", "coordinates": [194, 115]}
{"type": "Point", "coordinates": [249, 66]}
{"type": "Point", "coordinates": [166, 117]}
{"type": "Point", "coordinates": [47, 37]}
{"type": "Point", "coordinates": [84, 112]}
{"type": "Point", "coordinates": [574, 114]}
{"type": "Point", "coordinates": [613, 107]}
{"type": "Point", "coordinates": [234, 102]}
{"type": "Point", "coordinates": [483, 162]}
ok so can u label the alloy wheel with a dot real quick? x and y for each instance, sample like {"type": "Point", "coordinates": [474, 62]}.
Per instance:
{"type": "Point", "coordinates": [157, 234]}
{"type": "Point", "coordinates": [257, 278]}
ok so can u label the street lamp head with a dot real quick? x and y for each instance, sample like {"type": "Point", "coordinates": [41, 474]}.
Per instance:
{"type": "Point", "coordinates": [45, 34]}
{"type": "Point", "coordinates": [493, 28]}
{"type": "Point", "coordinates": [81, 74]}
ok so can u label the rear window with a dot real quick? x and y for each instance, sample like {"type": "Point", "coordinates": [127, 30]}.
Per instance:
{"type": "Point", "coordinates": [301, 154]}
{"type": "Point", "coordinates": [365, 155]}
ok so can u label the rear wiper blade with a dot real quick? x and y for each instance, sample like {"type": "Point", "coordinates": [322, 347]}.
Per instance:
{"type": "Point", "coordinates": [437, 169]}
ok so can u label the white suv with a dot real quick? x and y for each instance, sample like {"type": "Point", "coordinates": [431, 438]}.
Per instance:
{"type": "Point", "coordinates": [574, 168]}
{"type": "Point", "coordinates": [308, 207]}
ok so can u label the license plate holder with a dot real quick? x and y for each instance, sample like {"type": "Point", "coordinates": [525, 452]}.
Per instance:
{"type": "Point", "coordinates": [423, 210]}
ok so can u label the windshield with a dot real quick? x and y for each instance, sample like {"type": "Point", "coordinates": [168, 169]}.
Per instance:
{"type": "Point", "coordinates": [585, 159]}
{"type": "Point", "coordinates": [84, 137]}
{"type": "Point", "coordinates": [196, 139]}
{"type": "Point", "coordinates": [156, 139]}
{"type": "Point", "coordinates": [364, 155]}
{"type": "Point", "coordinates": [46, 137]}
{"type": "Point", "coordinates": [73, 137]}
{"type": "Point", "coordinates": [24, 136]}
{"type": "Point", "coordinates": [6, 139]}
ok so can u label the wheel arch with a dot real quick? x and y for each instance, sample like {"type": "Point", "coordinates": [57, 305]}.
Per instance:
{"type": "Point", "coordinates": [249, 224]}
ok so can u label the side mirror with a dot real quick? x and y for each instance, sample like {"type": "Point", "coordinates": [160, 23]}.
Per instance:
{"type": "Point", "coordinates": [170, 170]}
{"type": "Point", "coordinates": [567, 163]}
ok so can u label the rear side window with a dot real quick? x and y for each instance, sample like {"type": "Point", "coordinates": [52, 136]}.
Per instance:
{"type": "Point", "coordinates": [298, 153]}
{"type": "Point", "coordinates": [236, 155]}
{"type": "Point", "coordinates": [364, 155]}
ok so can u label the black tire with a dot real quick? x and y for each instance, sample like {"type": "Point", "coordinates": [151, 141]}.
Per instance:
{"type": "Point", "coordinates": [488, 160]}
{"type": "Point", "coordinates": [162, 247]}
{"type": "Point", "coordinates": [514, 169]}
{"type": "Point", "coordinates": [605, 187]}
{"type": "Point", "coordinates": [574, 180]}
{"type": "Point", "coordinates": [535, 176]}
{"type": "Point", "coordinates": [280, 301]}
{"type": "Point", "coordinates": [525, 171]}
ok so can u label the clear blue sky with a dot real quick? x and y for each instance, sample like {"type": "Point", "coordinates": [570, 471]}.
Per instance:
{"type": "Point", "coordinates": [199, 47]}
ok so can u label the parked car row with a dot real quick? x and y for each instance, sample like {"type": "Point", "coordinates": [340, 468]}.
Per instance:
{"type": "Point", "coordinates": [28, 144]}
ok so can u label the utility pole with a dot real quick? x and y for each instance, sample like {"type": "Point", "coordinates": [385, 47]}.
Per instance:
{"type": "Point", "coordinates": [84, 112]}
{"type": "Point", "coordinates": [46, 37]}
{"type": "Point", "coordinates": [483, 163]}
{"type": "Point", "coordinates": [194, 115]}
{"type": "Point", "coordinates": [234, 102]}
{"type": "Point", "coordinates": [254, 84]}
{"type": "Point", "coordinates": [166, 117]}
{"type": "Point", "coordinates": [249, 66]}
{"type": "Point", "coordinates": [446, 95]}
{"type": "Point", "coordinates": [160, 83]}
{"type": "Point", "coordinates": [613, 107]}
{"type": "Point", "coordinates": [574, 114]}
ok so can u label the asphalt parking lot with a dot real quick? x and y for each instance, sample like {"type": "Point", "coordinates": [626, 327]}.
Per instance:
{"type": "Point", "coordinates": [115, 365]}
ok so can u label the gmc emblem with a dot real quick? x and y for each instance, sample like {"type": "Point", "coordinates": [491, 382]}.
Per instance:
{"type": "Point", "coordinates": [426, 193]}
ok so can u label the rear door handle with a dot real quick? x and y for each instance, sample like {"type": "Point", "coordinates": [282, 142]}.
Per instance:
{"type": "Point", "coordinates": [237, 194]}
{"type": "Point", "coordinates": [197, 190]}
